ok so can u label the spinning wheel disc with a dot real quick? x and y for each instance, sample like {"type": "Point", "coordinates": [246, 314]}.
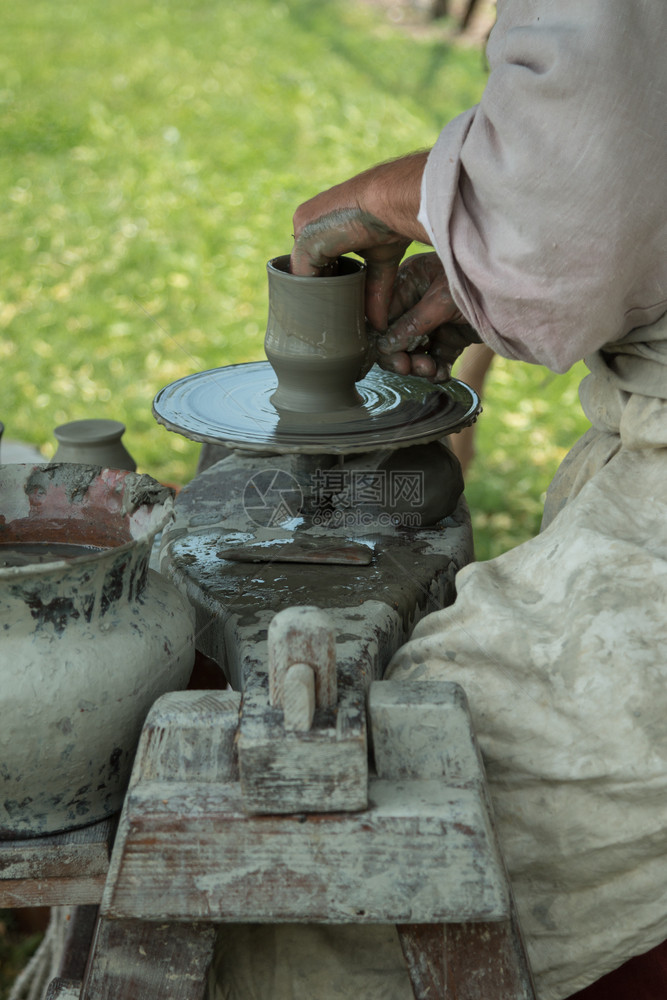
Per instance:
{"type": "Point", "coordinates": [232, 406]}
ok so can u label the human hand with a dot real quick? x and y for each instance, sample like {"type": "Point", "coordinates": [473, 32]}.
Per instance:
{"type": "Point", "coordinates": [320, 242]}
{"type": "Point", "coordinates": [427, 332]}
{"type": "Point", "coordinates": [374, 215]}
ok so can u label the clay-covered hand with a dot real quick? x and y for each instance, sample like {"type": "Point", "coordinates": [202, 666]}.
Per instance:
{"type": "Point", "coordinates": [427, 332]}
{"type": "Point", "coordinates": [374, 215]}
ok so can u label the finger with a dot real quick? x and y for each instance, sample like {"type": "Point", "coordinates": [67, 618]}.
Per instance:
{"type": "Point", "coordinates": [380, 277]}
{"type": "Point", "coordinates": [414, 328]}
{"type": "Point", "coordinates": [447, 343]}
{"type": "Point", "coordinates": [315, 251]}
{"type": "Point", "coordinates": [423, 365]}
{"type": "Point", "coordinates": [319, 242]}
{"type": "Point", "coordinates": [399, 363]}
{"type": "Point", "coordinates": [411, 330]}
{"type": "Point", "coordinates": [411, 284]}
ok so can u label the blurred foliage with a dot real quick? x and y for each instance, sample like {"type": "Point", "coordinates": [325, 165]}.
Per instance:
{"type": "Point", "coordinates": [153, 154]}
{"type": "Point", "coordinates": [16, 948]}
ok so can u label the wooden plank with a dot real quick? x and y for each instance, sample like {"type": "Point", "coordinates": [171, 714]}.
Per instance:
{"type": "Point", "coordinates": [67, 861]}
{"type": "Point", "coordinates": [484, 961]}
{"type": "Point", "coordinates": [423, 730]}
{"type": "Point", "coordinates": [189, 734]}
{"type": "Point", "coordinates": [76, 947]}
{"type": "Point", "coordinates": [62, 869]}
{"type": "Point", "coordinates": [424, 951]}
{"type": "Point", "coordinates": [131, 960]}
{"type": "Point", "coordinates": [18, 893]}
{"type": "Point", "coordinates": [422, 852]}
{"type": "Point", "coordinates": [487, 961]}
{"type": "Point", "coordinates": [84, 851]}
{"type": "Point", "coordinates": [324, 769]}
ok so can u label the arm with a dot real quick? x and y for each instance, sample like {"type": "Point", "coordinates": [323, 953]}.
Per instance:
{"type": "Point", "coordinates": [546, 202]}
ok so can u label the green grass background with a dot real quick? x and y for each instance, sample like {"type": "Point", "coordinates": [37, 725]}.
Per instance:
{"type": "Point", "coordinates": [152, 156]}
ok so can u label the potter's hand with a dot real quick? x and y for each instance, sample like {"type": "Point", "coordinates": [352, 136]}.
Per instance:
{"type": "Point", "coordinates": [374, 215]}
{"type": "Point", "coordinates": [319, 243]}
{"type": "Point", "coordinates": [427, 332]}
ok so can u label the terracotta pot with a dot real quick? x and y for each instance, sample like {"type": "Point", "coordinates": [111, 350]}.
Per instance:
{"type": "Point", "coordinates": [316, 339]}
{"type": "Point", "coordinates": [89, 638]}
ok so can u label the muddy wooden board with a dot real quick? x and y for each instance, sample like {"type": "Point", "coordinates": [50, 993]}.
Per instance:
{"type": "Point", "coordinates": [63, 869]}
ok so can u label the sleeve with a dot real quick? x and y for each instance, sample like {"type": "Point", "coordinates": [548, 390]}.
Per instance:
{"type": "Point", "coordinates": [546, 202]}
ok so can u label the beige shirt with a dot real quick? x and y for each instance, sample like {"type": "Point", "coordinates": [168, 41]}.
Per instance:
{"type": "Point", "coordinates": [547, 203]}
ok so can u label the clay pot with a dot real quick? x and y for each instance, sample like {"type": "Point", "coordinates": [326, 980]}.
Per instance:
{"type": "Point", "coordinates": [316, 339]}
{"type": "Point", "coordinates": [93, 442]}
{"type": "Point", "coordinates": [90, 637]}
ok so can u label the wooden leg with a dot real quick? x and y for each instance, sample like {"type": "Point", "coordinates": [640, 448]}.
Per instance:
{"type": "Point", "coordinates": [424, 951]}
{"type": "Point", "coordinates": [137, 960]}
{"type": "Point", "coordinates": [481, 961]}
{"type": "Point", "coordinates": [473, 369]}
{"type": "Point", "coordinates": [76, 949]}
{"type": "Point", "coordinates": [486, 962]}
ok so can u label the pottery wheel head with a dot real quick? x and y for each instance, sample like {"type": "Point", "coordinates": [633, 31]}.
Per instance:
{"type": "Point", "coordinates": [232, 406]}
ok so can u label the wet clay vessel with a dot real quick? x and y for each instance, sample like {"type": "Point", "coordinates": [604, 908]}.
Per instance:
{"type": "Point", "coordinates": [89, 638]}
{"type": "Point", "coordinates": [93, 442]}
{"type": "Point", "coordinates": [316, 339]}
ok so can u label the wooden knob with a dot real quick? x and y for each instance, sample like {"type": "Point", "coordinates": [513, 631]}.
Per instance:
{"type": "Point", "coordinates": [302, 664]}
{"type": "Point", "coordinates": [299, 697]}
